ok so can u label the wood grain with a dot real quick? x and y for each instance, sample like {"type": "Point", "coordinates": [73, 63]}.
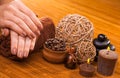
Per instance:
{"type": "Point", "coordinates": [105, 15]}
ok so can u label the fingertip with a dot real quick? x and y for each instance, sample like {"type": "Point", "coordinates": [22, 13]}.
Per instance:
{"type": "Point", "coordinates": [37, 32]}
{"type": "Point", "coordinates": [14, 51]}
{"type": "Point", "coordinates": [5, 32]}
{"type": "Point", "coordinates": [31, 48]}
{"type": "Point", "coordinates": [20, 55]}
{"type": "Point", "coordinates": [32, 36]}
{"type": "Point", "coordinates": [40, 26]}
{"type": "Point", "coordinates": [32, 44]}
{"type": "Point", "coordinates": [26, 54]}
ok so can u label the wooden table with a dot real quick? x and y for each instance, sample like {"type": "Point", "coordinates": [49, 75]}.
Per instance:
{"type": "Point", "coordinates": [105, 15]}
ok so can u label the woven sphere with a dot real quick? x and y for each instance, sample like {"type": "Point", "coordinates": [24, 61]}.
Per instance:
{"type": "Point", "coordinates": [85, 50]}
{"type": "Point", "coordinates": [74, 28]}
{"type": "Point", "coordinates": [77, 30]}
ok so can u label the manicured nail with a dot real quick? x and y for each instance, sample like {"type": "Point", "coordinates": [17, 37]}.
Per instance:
{"type": "Point", "coordinates": [40, 26]}
{"type": "Point", "coordinates": [31, 48]}
{"type": "Point", "coordinates": [20, 54]}
{"type": "Point", "coordinates": [26, 55]}
{"type": "Point", "coordinates": [33, 35]}
{"type": "Point", "coordinates": [38, 32]}
{"type": "Point", "coordinates": [14, 51]}
{"type": "Point", "coordinates": [3, 33]}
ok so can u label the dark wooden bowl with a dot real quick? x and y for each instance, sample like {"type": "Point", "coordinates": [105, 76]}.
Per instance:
{"type": "Point", "coordinates": [54, 56]}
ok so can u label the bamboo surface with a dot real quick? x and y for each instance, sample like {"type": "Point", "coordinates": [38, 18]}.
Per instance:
{"type": "Point", "coordinates": [104, 14]}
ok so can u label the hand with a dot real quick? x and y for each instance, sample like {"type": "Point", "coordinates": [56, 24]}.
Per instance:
{"type": "Point", "coordinates": [21, 46]}
{"type": "Point", "coordinates": [19, 18]}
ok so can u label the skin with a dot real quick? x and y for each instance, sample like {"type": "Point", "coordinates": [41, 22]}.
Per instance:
{"type": "Point", "coordinates": [19, 18]}
{"type": "Point", "coordinates": [21, 46]}
{"type": "Point", "coordinates": [23, 29]}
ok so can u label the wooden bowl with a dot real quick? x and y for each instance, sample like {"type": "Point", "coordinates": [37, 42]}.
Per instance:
{"type": "Point", "coordinates": [54, 56]}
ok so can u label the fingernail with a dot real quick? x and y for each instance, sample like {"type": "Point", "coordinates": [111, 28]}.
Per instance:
{"type": "Point", "coordinates": [26, 54]}
{"type": "Point", "coordinates": [40, 26]}
{"type": "Point", "coordinates": [20, 54]}
{"type": "Point", "coordinates": [38, 32]}
{"type": "Point", "coordinates": [14, 51]}
{"type": "Point", "coordinates": [31, 48]}
{"type": "Point", "coordinates": [3, 33]}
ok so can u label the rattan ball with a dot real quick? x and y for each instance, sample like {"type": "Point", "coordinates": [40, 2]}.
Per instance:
{"type": "Point", "coordinates": [85, 50]}
{"type": "Point", "coordinates": [76, 30]}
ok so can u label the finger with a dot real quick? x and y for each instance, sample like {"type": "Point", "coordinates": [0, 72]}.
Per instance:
{"type": "Point", "coordinates": [22, 25]}
{"type": "Point", "coordinates": [29, 23]}
{"type": "Point", "coordinates": [21, 43]}
{"type": "Point", "coordinates": [2, 31]}
{"type": "Point", "coordinates": [26, 20]}
{"type": "Point", "coordinates": [14, 42]}
{"type": "Point", "coordinates": [32, 44]}
{"type": "Point", "coordinates": [15, 27]}
{"type": "Point", "coordinates": [5, 32]}
{"type": "Point", "coordinates": [30, 14]}
{"type": "Point", "coordinates": [27, 47]}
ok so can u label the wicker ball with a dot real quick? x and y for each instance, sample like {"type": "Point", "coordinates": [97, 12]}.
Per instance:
{"type": "Point", "coordinates": [74, 28]}
{"type": "Point", "coordinates": [85, 50]}
{"type": "Point", "coordinates": [77, 30]}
